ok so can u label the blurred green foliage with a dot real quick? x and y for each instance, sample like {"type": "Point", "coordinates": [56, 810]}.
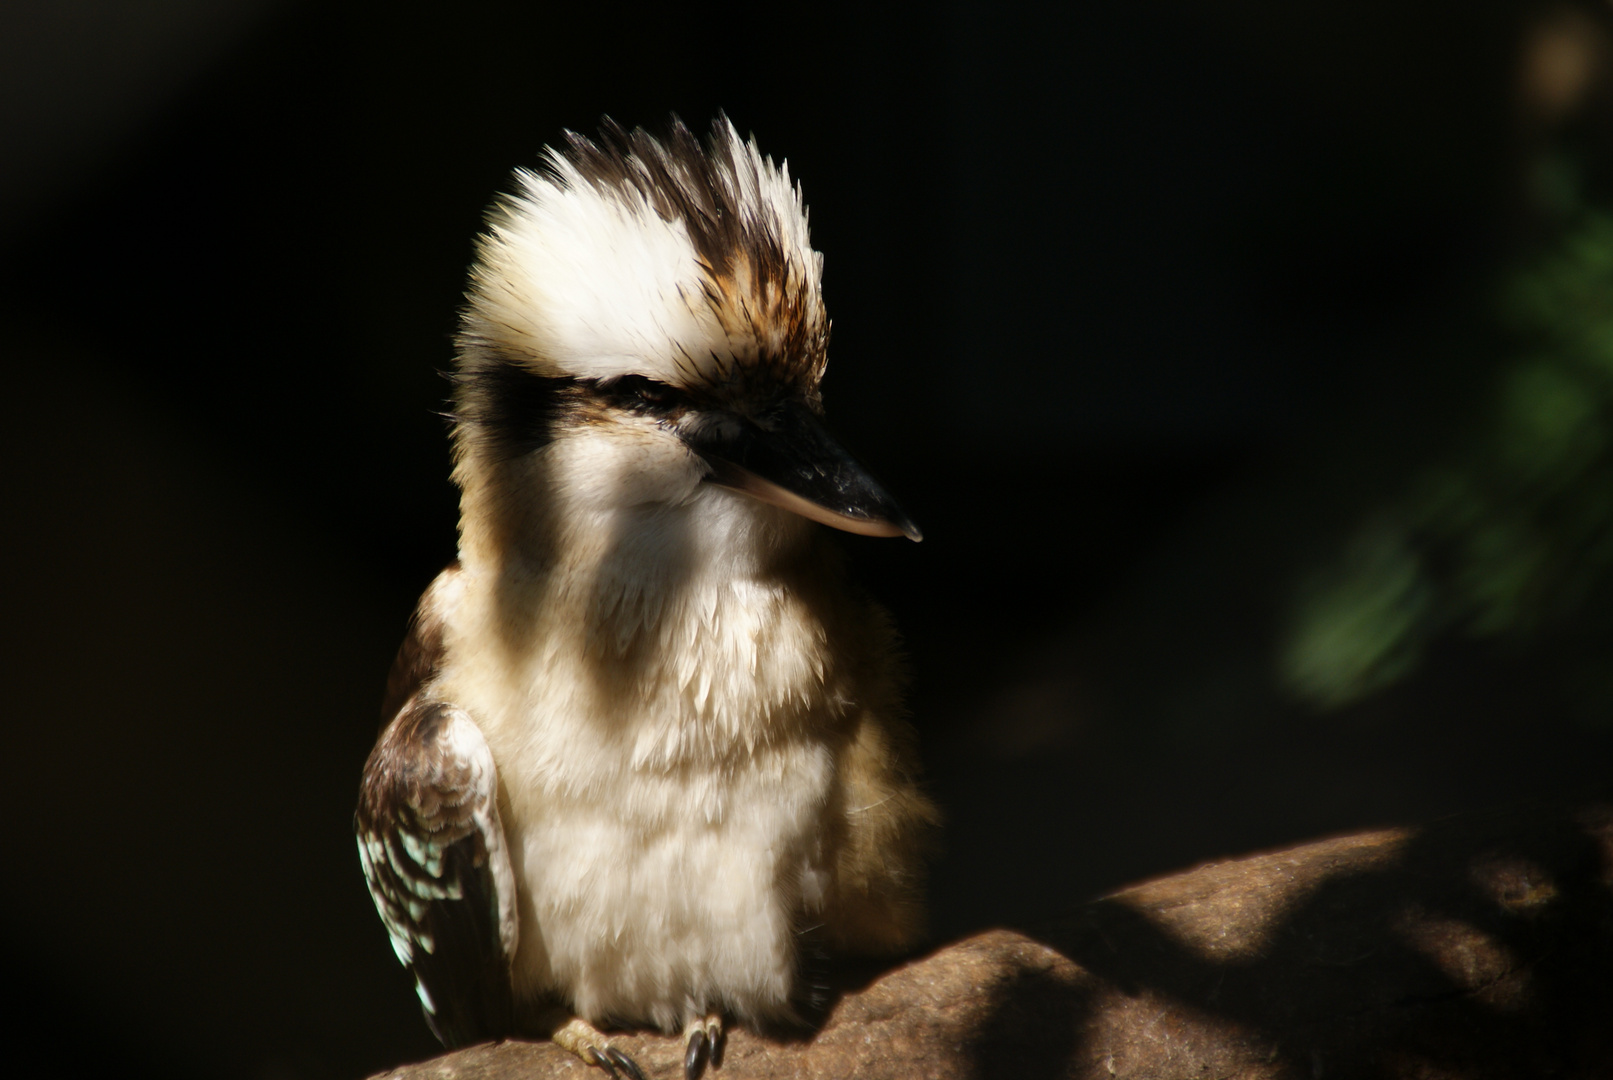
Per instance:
{"type": "Point", "coordinates": [1508, 530]}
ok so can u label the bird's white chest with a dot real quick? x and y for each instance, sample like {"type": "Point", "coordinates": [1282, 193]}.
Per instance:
{"type": "Point", "coordinates": [649, 910]}
{"type": "Point", "coordinates": [664, 806]}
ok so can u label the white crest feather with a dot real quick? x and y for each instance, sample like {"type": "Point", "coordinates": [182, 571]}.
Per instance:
{"type": "Point", "coordinates": [652, 257]}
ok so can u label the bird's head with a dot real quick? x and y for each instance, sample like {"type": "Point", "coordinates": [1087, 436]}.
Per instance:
{"type": "Point", "coordinates": [645, 331]}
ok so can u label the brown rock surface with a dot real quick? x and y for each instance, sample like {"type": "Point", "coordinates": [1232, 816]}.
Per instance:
{"type": "Point", "coordinates": [1476, 947]}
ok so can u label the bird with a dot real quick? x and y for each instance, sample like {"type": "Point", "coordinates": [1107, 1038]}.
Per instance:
{"type": "Point", "coordinates": [644, 749]}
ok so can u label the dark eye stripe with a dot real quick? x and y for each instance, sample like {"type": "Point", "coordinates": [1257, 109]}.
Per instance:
{"type": "Point", "coordinates": [516, 409]}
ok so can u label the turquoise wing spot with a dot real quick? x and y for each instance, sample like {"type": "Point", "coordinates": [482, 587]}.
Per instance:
{"type": "Point", "coordinates": [419, 850]}
{"type": "Point", "coordinates": [400, 946]}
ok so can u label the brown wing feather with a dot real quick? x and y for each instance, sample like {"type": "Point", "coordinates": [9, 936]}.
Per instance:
{"type": "Point", "coordinates": [433, 853]}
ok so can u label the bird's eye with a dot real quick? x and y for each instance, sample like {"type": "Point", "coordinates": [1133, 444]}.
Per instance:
{"type": "Point", "coordinates": [641, 394]}
{"type": "Point", "coordinates": [652, 393]}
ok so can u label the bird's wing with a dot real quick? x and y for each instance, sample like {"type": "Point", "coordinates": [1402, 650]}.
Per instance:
{"type": "Point", "coordinates": [434, 855]}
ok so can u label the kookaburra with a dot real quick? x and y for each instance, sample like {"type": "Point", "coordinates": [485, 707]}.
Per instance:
{"type": "Point", "coordinates": [644, 743]}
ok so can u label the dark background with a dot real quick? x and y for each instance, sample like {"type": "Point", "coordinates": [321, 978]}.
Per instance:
{"type": "Point", "coordinates": [1249, 369]}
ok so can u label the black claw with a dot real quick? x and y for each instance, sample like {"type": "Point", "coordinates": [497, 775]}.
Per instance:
{"type": "Point", "coordinates": [694, 1059]}
{"type": "Point", "coordinates": [623, 1062]}
{"type": "Point", "coordinates": [719, 1042]}
{"type": "Point", "coordinates": [602, 1058]}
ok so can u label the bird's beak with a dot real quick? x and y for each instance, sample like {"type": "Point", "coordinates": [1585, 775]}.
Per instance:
{"type": "Point", "coordinates": [788, 458]}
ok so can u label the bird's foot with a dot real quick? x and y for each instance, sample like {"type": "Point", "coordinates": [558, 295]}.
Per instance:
{"type": "Point", "coordinates": [584, 1040]}
{"type": "Point", "coordinates": [703, 1042]}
